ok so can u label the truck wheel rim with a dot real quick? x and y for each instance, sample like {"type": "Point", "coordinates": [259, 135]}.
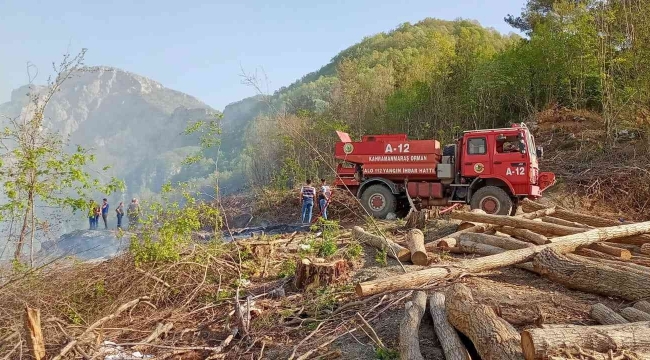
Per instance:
{"type": "Point", "coordinates": [490, 205]}
{"type": "Point", "coordinates": [377, 202]}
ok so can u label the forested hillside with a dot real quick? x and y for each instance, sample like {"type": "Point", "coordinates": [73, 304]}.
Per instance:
{"type": "Point", "coordinates": [436, 78]}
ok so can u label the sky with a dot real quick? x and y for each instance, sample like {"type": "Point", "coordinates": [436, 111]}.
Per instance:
{"type": "Point", "coordinates": [201, 47]}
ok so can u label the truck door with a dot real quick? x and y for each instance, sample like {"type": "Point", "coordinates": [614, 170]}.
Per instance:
{"type": "Point", "coordinates": [510, 163]}
{"type": "Point", "coordinates": [476, 160]}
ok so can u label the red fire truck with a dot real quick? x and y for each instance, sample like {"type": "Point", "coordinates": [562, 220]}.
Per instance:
{"type": "Point", "coordinates": [488, 169]}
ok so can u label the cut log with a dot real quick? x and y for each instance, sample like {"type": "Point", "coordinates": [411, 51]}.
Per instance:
{"type": "Point", "coordinates": [466, 225]}
{"type": "Point", "coordinates": [432, 243]}
{"type": "Point", "coordinates": [558, 221]}
{"type": "Point", "coordinates": [634, 315]}
{"type": "Point", "coordinates": [599, 255]}
{"type": "Point", "coordinates": [614, 251]}
{"type": "Point", "coordinates": [415, 244]}
{"type": "Point", "coordinates": [393, 250]}
{"type": "Point", "coordinates": [470, 247]}
{"type": "Point", "coordinates": [620, 265]}
{"type": "Point", "coordinates": [447, 335]}
{"type": "Point", "coordinates": [34, 333]}
{"type": "Point", "coordinates": [643, 306]}
{"type": "Point", "coordinates": [645, 249]}
{"type": "Point", "coordinates": [524, 234]}
{"type": "Point", "coordinates": [498, 241]}
{"type": "Point", "coordinates": [536, 226]}
{"type": "Point", "coordinates": [591, 278]}
{"type": "Point", "coordinates": [538, 344]}
{"type": "Point", "coordinates": [409, 343]}
{"type": "Point", "coordinates": [493, 337]}
{"type": "Point", "coordinates": [595, 221]}
{"type": "Point", "coordinates": [563, 244]}
{"type": "Point", "coordinates": [605, 315]}
{"type": "Point", "coordinates": [449, 242]}
{"type": "Point", "coordinates": [634, 249]}
{"type": "Point", "coordinates": [313, 275]}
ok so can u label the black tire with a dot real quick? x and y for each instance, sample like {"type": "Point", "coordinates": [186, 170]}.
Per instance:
{"type": "Point", "coordinates": [515, 206]}
{"type": "Point", "coordinates": [493, 200]}
{"type": "Point", "coordinates": [383, 199]}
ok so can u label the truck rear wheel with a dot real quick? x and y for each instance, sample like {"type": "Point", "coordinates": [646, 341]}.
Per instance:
{"type": "Point", "coordinates": [379, 201]}
{"type": "Point", "coordinates": [492, 200]}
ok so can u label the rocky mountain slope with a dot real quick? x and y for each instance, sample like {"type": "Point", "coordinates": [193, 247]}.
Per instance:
{"type": "Point", "coordinates": [132, 123]}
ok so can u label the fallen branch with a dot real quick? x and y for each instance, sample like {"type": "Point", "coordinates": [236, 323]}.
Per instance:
{"type": "Point", "coordinates": [97, 324]}
{"type": "Point", "coordinates": [393, 250]}
{"type": "Point", "coordinates": [524, 234]}
{"type": "Point", "coordinates": [498, 241]}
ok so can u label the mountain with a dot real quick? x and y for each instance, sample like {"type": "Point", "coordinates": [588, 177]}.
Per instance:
{"type": "Point", "coordinates": [132, 123]}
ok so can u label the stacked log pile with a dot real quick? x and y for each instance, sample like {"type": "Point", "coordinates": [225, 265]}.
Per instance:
{"type": "Point", "coordinates": [581, 252]}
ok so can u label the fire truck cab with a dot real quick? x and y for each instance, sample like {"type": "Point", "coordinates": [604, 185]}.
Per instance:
{"type": "Point", "coordinates": [488, 169]}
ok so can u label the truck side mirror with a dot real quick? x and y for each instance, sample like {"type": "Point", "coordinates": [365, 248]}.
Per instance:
{"type": "Point", "coordinates": [540, 152]}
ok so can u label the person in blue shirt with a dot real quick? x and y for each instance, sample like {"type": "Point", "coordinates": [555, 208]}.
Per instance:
{"type": "Point", "coordinates": [307, 194]}
{"type": "Point", "coordinates": [105, 212]}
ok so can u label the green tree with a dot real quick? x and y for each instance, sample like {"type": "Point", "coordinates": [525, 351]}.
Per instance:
{"type": "Point", "coordinates": [37, 167]}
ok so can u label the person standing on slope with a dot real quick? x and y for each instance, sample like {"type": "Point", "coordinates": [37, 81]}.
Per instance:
{"type": "Point", "coordinates": [91, 214]}
{"type": "Point", "coordinates": [133, 213]}
{"type": "Point", "coordinates": [307, 194]}
{"type": "Point", "coordinates": [323, 198]}
{"type": "Point", "coordinates": [105, 213]}
{"type": "Point", "coordinates": [119, 211]}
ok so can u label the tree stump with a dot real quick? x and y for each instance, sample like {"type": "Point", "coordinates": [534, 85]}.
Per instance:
{"type": "Point", "coordinates": [311, 275]}
{"type": "Point", "coordinates": [417, 219]}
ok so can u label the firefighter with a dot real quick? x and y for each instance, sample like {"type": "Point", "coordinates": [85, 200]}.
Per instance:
{"type": "Point", "coordinates": [307, 194]}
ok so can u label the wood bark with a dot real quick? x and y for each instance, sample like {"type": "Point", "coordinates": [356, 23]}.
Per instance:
{"type": "Point", "coordinates": [634, 314]}
{"type": "Point", "coordinates": [470, 247]}
{"type": "Point", "coordinates": [624, 266]}
{"type": "Point", "coordinates": [466, 225]}
{"type": "Point", "coordinates": [34, 333]}
{"type": "Point", "coordinates": [415, 244]}
{"type": "Point", "coordinates": [595, 221]}
{"type": "Point", "coordinates": [524, 234]}
{"type": "Point", "coordinates": [417, 219]}
{"type": "Point", "coordinates": [600, 255]}
{"type": "Point", "coordinates": [645, 249]}
{"type": "Point", "coordinates": [507, 243]}
{"type": "Point", "coordinates": [643, 306]}
{"type": "Point", "coordinates": [605, 315]}
{"type": "Point", "coordinates": [535, 226]}
{"type": "Point", "coordinates": [591, 278]}
{"type": "Point", "coordinates": [447, 335]}
{"type": "Point", "coordinates": [634, 249]}
{"type": "Point", "coordinates": [537, 344]}
{"type": "Point", "coordinates": [432, 242]}
{"type": "Point", "coordinates": [493, 337]}
{"type": "Point", "coordinates": [409, 343]}
{"type": "Point", "coordinates": [393, 250]}
{"type": "Point", "coordinates": [614, 251]}
{"type": "Point", "coordinates": [558, 221]}
{"type": "Point", "coordinates": [563, 244]}
{"type": "Point", "coordinates": [313, 275]}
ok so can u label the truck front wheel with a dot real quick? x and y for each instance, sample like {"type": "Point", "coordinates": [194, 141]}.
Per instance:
{"type": "Point", "coordinates": [492, 200]}
{"type": "Point", "coordinates": [379, 201]}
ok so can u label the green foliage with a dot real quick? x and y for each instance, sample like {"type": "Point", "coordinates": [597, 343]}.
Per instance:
{"type": "Point", "coordinates": [287, 268]}
{"type": "Point", "coordinates": [166, 226]}
{"type": "Point", "coordinates": [326, 247]}
{"type": "Point", "coordinates": [353, 250]}
{"type": "Point", "coordinates": [381, 257]}
{"type": "Point", "coordinates": [386, 354]}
